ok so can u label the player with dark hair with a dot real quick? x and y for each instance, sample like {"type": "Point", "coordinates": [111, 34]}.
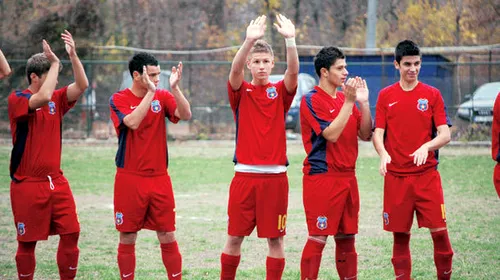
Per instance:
{"type": "Point", "coordinates": [258, 195]}
{"type": "Point", "coordinates": [42, 201]}
{"type": "Point", "coordinates": [410, 126]}
{"type": "Point", "coordinates": [143, 194]}
{"type": "Point", "coordinates": [331, 124]}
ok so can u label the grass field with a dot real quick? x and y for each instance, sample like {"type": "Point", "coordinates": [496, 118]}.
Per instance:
{"type": "Point", "coordinates": [201, 173]}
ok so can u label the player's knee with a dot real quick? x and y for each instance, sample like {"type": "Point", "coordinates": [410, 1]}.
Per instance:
{"type": "Point", "coordinates": [275, 242]}
{"type": "Point", "coordinates": [234, 241]}
{"type": "Point", "coordinates": [165, 237]}
{"type": "Point", "coordinates": [128, 237]}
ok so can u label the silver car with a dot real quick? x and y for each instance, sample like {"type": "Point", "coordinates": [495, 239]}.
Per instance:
{"type": "Point", "coordinates": [479, 108]}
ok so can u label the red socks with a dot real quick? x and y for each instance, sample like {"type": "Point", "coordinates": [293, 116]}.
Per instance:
{"type": "Point", "coordinates": [274, 268]}
{"type": "Point", "coordinates": [311, 259]}
{"type": "Point", "coordinates": [229, 265]}
{"type": "Point", "coordinates": [346, 258]}
{"type": "Point", "coordinates": [401, 257]}
{"type": "Point", "coordinates": [126, 261]}
{"type": "Point", "coordinates": [172, 260]}
{"type": "Point", "coordinates": [67, 255]}
{"type": "Point", "coordinates": [25, 260]}
{"type": "Point", "coordinates": [443, 254]}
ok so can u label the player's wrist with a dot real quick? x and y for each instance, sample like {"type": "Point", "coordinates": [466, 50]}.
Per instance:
{"type": "Point", "coordinates": [290, 42]}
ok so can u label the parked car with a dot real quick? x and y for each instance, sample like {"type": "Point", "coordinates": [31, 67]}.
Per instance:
{"type": "Point", "coordinates": [164, 80]}
{"type": "Point", "coordinates": [479, 108]}
{"type": "Point", "coordinates": [306, 83]}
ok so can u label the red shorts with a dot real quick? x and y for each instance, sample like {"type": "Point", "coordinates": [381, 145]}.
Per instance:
{"type": "Point", "coordinates": [404, 195]}
{"type": "Point", "coordinates": [258, 200]}
{"type": "Point", "coordinates": [331, 203]}
{"type": "Point", "coordinates": [143, 202]}
{"type": "Point", "coordinates": [41, 209]}
{"type": "Point", "coordinates": [496, 178]}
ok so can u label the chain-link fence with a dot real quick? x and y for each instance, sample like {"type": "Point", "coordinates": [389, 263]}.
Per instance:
{"type": "Point", "coordinates": [205, 85]}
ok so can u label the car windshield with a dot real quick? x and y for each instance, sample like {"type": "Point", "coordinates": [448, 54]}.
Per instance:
{"type": "Point", "coordinates": [487, 91]}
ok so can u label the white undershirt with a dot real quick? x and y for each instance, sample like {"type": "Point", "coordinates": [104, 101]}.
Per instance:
{"type": "Point", "coordinates": [273, 169]}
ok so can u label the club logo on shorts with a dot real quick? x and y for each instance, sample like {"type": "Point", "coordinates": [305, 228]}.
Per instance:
{"type": "Point", "coordinates": [52, 108]}
{"type": "Point", "coordinates": [386, 218]}
{"type": "Point", "coordinates": [155, 106]}
{"type": "Point", "coordinates": [423, 104]}
{"type": "Point", "coordinates": [322, 222]}
{"type": "Point", "coordinates": [119, 218]}
{"type": "Point", "coordinates": [21, 229]}
{"type": "Point", "coordinates": [271, 93]}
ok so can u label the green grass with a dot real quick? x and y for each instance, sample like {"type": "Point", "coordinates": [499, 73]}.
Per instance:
{"type": "Point", "coordinates": [201, 173]}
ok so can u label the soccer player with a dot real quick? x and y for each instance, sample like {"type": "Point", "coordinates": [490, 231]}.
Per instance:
{"type": "Point", "coordinates": [42, 202]}
{"type": "Point", "coordinates": [410, 126]}
{"type": "Point", "coordinates": [143, 194]}
{"type": "Point", "coordinates": [4, 66]}
{"type": "Point", "coordinates": [495, 145]}
{"type": "Point", "coordinates": [331, 124]}
{"type": "Point", "coordinates": [258, 195]}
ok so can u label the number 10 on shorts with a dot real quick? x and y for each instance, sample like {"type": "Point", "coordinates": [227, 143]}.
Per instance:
{"type": "Point", "coordinates": [281, 222]}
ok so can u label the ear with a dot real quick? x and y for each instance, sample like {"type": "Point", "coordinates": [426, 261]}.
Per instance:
{"type": "Point", "coordinates": [249, 62]}
{"type": "Point", "coordinates": [272, 63]}
{"type": "Point", "coordinates": [396, 64]}
{"type": "Point", "coordinates": [324, 72]}
{"type": "Point", "coordinates": [136, 75]}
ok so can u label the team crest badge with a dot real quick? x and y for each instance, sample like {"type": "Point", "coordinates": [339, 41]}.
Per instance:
{"type": "Point", "coordinates": [119, 218]}
{"type": "Point", "coordinates": [271, 93]}
{"type": "Point", "coordinates": [423, 104]}
{"type": "Point", "coordinates": [52, 108]}
{"type": "Point", "coordinates": [21, 229]}
{"type": "Point", "coordinates": [155, 106]}
{"type": "Point", "coordinates": [321, 222]}
{"type": "Point", "coordinates": [386, 218]}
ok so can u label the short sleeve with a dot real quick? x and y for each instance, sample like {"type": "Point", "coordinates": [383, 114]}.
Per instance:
{"type": "Point", "coordinates": [439, 111]}
{"type": "Point", "coordinates": [381, 112]}
{"type": "Point", "coordinates": [118, 110]}
{"type": "Point", "coordinates": [18, 105]}
{"type": "Point", "coordinates": [61, 95]}
{"type": "Point", "coordinates": [313, 114]}
{"type": "Point", "coordinates": [234, 95]}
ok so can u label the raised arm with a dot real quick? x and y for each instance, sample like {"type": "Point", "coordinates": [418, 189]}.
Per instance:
{"type": "Point", "coordinates": [44, 94]}
{"type": "Point", "coordinates": [365, 129]}
{"type": "Point", "coordinates": [81, 82]}
{"type": "Point", "coordinates": [333, 131]}
{"type": "Point", "coordinates": [286, 28]}
{"type": "Point", "coordinates": [183, 110]}
{"type": "Point", "coordinates": [255, 31]}
{"type": "Point", "coordinates": [4, 66]}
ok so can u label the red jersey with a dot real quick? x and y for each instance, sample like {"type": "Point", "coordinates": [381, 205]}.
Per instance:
{"type": "Point", "coordinates": [495, 130]}
{"type": "Point", "coordinates": [36, 135]}
{"type": "Point", "coordinates": [259, 113]}
{"type": "Point", "coordinates": [410, 119]}
{"type": "Point", "coordinates": [142, 151]}
{"type": "Point", "coordinates": [317, 110]}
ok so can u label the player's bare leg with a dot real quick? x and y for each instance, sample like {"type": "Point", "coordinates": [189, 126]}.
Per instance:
{"type": "Point", "coordinates": [230, 257]}
{"type": "Point", "coordinates": [170, 254]}
{"type": "Point", "coordinates": [443, 253]}
{"type": "Point", "coordinates": [311, 257]}
{"type": "Point", "coordinates": [126, 255]}
{"type": "Point", "coordinates": [275, 262]}
{"type": "Point", "coordinates": [346, 258]}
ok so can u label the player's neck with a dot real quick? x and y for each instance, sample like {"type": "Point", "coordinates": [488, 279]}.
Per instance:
{"type": "Point", "coordinates": [34, 88]}
{"type": "Point", "coordinates": [259, 82]}
{"type": "Point", "coordinates": [328, 88]}
{"type": "Point", "coordinates": [408, 86]}
{"type": "Point", "coordinates": [138, 91]}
